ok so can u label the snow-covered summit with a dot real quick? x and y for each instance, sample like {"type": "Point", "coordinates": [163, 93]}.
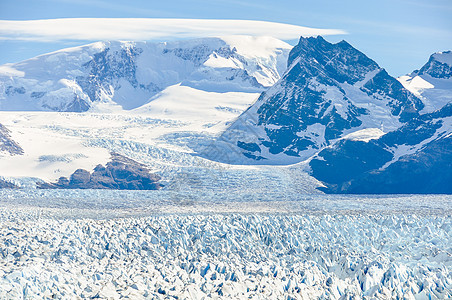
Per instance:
{"type": "Point", "coordinates": [128, 74]}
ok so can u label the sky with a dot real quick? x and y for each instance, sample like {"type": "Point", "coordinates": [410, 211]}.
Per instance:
{"type": "Point", "coordinates": [399, 35]}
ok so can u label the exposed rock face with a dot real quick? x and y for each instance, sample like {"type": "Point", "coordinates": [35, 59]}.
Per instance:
{"type": "Point", "coordinates": [428, 171]}
{"type": "Point", "coordinates": [328, 90]}
{"type": "Point", "coordinates": [417, 158]}
{"type": "Point", "coordinates": [7, 144]}
{"type": "Point", "coordinates": [121, 173]}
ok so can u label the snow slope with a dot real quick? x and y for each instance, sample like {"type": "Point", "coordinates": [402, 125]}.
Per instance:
{"type": "Point", "coordinates": [7, 145]}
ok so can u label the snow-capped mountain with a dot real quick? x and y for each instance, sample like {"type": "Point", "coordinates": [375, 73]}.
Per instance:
{"type": "Point", "coordinates": [127, 74]}
{"type": "Point", "coordinates": [328, 91]}
{"type": "Point", "coordinates": [416, 158]}
{"type": "Point", "coordinates": [433, 82]}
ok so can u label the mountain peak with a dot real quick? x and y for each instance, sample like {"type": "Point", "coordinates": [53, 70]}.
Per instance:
{"type": "Point", "coordinates": [329, 91]}
{"type": "Point", "coordinates": [312, 39]}
{"type": "Point", "coordinates": [340, 61]}
{"type": "Point", "coordinates": [433, 82]}
{"type": "Point", "coordinates": [444, 57]}
{"type": "Point", "coordinates": [438, 66]}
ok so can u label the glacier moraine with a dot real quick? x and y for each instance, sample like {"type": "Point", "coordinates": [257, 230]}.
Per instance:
{"type": "Point", "coordinates": [252, 250]}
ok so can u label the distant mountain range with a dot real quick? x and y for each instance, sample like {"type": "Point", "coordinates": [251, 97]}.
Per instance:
{"type": "Point", "coordinates": [326, 107]}
{"type": "Point", "coordinates": [128, 74]}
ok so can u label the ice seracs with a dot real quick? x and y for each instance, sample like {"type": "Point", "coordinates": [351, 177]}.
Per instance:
{"type": "Point", "coordinates": [225, 256]}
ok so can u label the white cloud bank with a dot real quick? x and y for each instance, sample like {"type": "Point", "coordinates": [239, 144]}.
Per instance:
{"type": "Point", "coordinates": [94, 29]}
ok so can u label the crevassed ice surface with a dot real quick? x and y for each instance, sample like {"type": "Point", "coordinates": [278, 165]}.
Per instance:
{"type": "Point", "coordinates": [199, 245]}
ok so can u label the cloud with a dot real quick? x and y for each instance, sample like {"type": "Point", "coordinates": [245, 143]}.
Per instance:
{"type": "Point", "coordinates": [138, 29]}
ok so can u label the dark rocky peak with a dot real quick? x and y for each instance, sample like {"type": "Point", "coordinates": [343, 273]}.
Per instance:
{"type": "Point", "coordinates": [334, 64]}
{"type": "Point", "coordinates": [341, 61]}
{"type": "Point", "coordinates": [438, 66]}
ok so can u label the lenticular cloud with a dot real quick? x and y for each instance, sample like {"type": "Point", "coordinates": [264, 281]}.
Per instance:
{"type": "Point", "coordinates": [147, 29]}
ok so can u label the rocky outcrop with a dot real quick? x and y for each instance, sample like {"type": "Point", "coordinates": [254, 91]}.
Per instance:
{"type": "Point", "coordinates": [7, 144]}
{"type": "Point", "coordinates": [121, 173]}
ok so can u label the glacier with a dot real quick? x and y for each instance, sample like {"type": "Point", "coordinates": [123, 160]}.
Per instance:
{"type": "Point", "coordinates": [195, 110]}
{"type": "Point", "coordinates": [218, 230]}
{"type": "Point", "coordinates": [315, 247]}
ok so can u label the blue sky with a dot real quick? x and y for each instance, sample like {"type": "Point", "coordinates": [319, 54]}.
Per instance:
{"type": "Point", "coordinates": [399, 35]}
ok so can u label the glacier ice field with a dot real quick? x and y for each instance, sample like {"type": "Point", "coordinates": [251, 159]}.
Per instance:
{"type": "Point", "coordinates": [78, 244]}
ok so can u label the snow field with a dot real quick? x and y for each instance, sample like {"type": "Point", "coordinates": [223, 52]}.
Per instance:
{"type": "Point", "coordinates": [258, 256]}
